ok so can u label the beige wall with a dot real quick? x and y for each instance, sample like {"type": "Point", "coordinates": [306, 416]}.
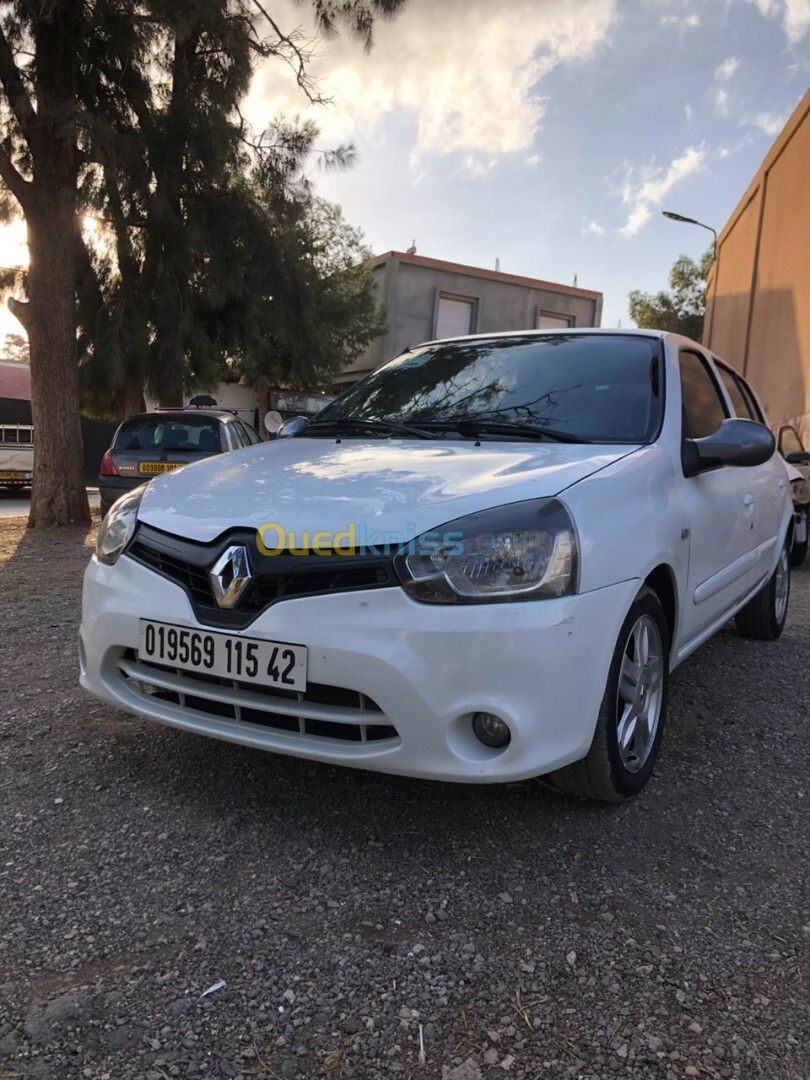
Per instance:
{"type": "Point", "coordinates": [758, 312]}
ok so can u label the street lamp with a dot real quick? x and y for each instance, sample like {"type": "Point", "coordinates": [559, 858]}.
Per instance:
{"type": "Point", "coordinates": [691, 221]}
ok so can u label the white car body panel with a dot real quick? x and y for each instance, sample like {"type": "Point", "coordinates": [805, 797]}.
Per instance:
{"type": "Point", "coordinates": [323, 484]}
{"type": "Point", "coordinates": [541, 665]}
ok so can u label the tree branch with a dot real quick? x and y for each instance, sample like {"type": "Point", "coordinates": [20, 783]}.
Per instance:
{"type": "Point", "coordinates": [294, 50]}
{"type": "Point", "coordinates": [18, 97]}
{"type": "Point", "coordinates": [20, 310]}
{"type": "Point", "coordinates": [16, 183]}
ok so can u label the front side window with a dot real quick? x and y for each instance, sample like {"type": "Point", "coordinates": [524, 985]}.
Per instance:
{"type": "Point", "coordinates": [703, 409]}
{"type": "Point", "coordinates": [590, 387]}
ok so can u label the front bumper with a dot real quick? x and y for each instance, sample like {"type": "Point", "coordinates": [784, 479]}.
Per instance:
{"type": "Point", "coordinates": [541, 666]}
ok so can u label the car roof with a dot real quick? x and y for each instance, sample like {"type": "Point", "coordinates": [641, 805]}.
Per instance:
{"type": "Point", "coordinates": [183, 414]}
{"type": "Point", "coordinates": [573, 330]}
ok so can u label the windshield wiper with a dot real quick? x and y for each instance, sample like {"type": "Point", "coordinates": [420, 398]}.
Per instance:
{"type": "Point", "coordinates": [469, 425]}
{"type": "Point", "coordinates": [384, 427]}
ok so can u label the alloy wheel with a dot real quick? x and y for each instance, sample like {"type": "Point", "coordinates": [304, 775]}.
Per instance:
{"type": "Point", "coordinates": [782, 585]}
{"type": "Point", "coordinates": [641, 685]}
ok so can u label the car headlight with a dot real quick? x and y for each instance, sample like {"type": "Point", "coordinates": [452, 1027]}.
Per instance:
{"type": "Point", "coordinates": [800, 491]}
{"type": "Point", "coordinates": [118, 526]}
{"type": "Point", "coordinates": [521, 551]}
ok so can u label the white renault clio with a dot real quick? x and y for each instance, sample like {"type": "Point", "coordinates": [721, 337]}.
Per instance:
{"type": "Point", "coordinates": [481, 563]}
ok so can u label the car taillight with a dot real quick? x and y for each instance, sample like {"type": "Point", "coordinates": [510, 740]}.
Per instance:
{"type": "Point", "coordinates": [107, 466]}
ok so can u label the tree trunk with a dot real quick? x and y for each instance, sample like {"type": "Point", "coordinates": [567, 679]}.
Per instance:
{"type": "Point", "coordinates": [130, 399]}
{"type": "Point", "coordinates": [59, 494]}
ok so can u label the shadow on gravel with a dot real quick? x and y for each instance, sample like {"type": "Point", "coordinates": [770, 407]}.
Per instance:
{"type": "Point", "coordinates": [34, 561]}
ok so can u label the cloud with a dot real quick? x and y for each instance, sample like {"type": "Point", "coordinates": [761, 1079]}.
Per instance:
{"type": "Point", "coordinates": [734, 148]}
{"type": "Point", "coordinates": [681, 22]}
{"type": "Point", "coordinates": [534, 160]}
{"type": "Point", "coordinates": [593, 228]}
{"type": "Point", "coordinates": [770, 123]}
{"type": "Point", "coordinates": [690, 112]}
{"type": "Point", "coordinates": [648, 190]}
{"type": "Point", "coordinates": [794, 15]}
{"type": "Point", "coordinates": [468, 80]}
{"type": "Point", "coordinates": [725, 71]}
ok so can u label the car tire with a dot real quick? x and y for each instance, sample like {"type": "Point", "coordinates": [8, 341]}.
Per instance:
{"type": "Point", "coordinates": [609, 772]}
{"type": "Point", "coordinates": [763, 617]}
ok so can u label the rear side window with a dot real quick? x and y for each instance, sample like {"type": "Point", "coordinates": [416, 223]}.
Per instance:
{"type": "Point", "coordinates": [703, 408]}
{"type": "Point", "coordinates": [741, 397]}
{"type": "Point", "coordinates": [242, 432]}
{"type": "Point", "coordinates": [251, 432]}
{"type": "Point", "coordinates": [189, 433]}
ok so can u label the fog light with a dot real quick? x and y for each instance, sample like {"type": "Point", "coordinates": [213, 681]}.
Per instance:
{"type": "Point", "coordinates": [491, 730]}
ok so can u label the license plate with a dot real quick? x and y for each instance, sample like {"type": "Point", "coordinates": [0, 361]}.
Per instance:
{"type": "Point", "coordinates": [12, 474]}
{"type": "Point", "coordinates": [266, 663]}
{"type": "Point", "coordinates": [152, 467]}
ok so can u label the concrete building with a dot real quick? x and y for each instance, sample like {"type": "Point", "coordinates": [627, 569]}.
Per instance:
{"type": "Point", "coordinates": [758, 294]}
{"type": "Point", "coordinates": [428, 298]}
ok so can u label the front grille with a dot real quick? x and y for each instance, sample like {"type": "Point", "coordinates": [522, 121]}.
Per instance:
{"type": "Point", "coordinates": [194, 579]}
{"type": "Point", "coordinates": [321, 712]}
{"type": "Point", "coordinates": [276, 578]}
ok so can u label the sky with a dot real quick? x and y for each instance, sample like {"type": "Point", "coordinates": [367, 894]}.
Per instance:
{"type": "Point", "coordinates": [548, 134]}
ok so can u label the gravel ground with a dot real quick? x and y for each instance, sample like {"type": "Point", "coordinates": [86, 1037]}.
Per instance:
{"type": "Point", "coordinates": [515, 931]}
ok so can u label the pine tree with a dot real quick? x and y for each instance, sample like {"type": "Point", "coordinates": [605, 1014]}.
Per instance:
{"type": "Point", "coordinates": [129, 113]}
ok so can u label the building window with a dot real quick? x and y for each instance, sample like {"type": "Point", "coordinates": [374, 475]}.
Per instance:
{"type": "Point", "coordinates": [455, 317]}
{"type": "Point", "coordinates": [548, 320]}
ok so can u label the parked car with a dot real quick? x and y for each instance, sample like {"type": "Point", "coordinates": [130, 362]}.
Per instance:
{"type": "Point", "coordinates": [792, 450]}
{"type": "Point", "coordinates": [480, 563]}
{"type": "Point", "coordinates": [158, 442]}
{"type": "Point", "coordinates": [16, 455]}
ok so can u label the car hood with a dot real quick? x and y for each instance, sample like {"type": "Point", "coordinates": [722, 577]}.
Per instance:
{"type": "Point", "coordinates": [324, 485]}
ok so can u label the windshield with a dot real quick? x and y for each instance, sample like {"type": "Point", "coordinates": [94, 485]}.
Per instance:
{"type": "Point", "coordinates": [194, 433]}
{"type": "Point", "coordinates": [598, 387]}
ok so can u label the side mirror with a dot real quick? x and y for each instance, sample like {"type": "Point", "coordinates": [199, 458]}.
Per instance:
{"type": "Point", "coordinates": [798, 457]}
{"type": "Point", "coordinates": [736, 442]}
{"type": "Point", "coordinates": [291, 427]}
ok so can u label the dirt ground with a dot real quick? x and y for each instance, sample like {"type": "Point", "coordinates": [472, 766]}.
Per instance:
{"type": "Point", "coordinates": [375, 927]}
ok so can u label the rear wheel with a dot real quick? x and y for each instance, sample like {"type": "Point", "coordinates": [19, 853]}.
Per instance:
{"type": "Point", "coordinates": [763, 617]}
{"type": "Point", "coordinates": [631, 718]}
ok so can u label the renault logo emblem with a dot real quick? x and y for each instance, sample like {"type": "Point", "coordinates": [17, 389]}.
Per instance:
{"type": "Point", "coordinates": [230, 576]}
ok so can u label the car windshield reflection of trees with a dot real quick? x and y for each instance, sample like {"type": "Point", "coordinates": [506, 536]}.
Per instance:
{"type": "Point", "coordinates": [589, 386]}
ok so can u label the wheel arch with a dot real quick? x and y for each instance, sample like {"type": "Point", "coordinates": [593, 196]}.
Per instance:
{"type": "Point", "coordinates": [662, 581]}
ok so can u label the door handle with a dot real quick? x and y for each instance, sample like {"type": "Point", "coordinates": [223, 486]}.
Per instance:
{"type": "Point", "coordinates": [749, 500]}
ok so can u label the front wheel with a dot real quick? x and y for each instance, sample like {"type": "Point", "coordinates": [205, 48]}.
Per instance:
{"type": "Point", "coordinates": [763, 617]}
{"type": "Point", "coordinates": [631, 717]}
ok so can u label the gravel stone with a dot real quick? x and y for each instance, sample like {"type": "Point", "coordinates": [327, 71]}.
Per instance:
{"type": "Point", "coordinates": [345, 910]}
